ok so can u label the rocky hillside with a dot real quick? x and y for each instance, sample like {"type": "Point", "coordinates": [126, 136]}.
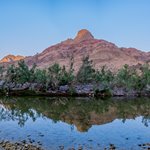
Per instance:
{"type": "Point", "coordinates": [100, 51]}
{"type": "Point", "coordinates": [11, 58]}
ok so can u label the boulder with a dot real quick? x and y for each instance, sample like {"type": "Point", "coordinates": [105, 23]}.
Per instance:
{"type": "Point", "coordinates": [118, 91]}
{"type": "Point", "coordinates": [85, 89]}
{"type": "Point", "coordinates": [2, 82]}
{"type": "Point", "coordinates": [64, 88]}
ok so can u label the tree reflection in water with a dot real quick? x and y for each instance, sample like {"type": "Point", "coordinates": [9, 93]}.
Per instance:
{"type": "Point", "coordinates": [81, 112]}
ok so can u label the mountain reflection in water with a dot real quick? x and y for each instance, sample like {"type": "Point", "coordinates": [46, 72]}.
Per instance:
{"type": "Point", "coordinates": [81, 112]}
{"type": "Point", "coordinates": [76, 122]}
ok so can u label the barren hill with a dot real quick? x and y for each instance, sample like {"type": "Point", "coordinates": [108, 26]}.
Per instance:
{"type": "Point", "coordinates": [100, 51]}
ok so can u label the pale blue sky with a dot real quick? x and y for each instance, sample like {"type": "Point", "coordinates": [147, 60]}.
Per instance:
{"type": "Point", "coordinates": [30, 26]}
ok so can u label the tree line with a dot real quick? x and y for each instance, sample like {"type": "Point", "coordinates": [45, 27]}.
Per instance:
{"type": "Point", "coordinates": [55, 75]}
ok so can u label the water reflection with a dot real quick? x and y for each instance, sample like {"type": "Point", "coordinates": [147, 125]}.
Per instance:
{"type": "Point", "coordinates": [81, 112]}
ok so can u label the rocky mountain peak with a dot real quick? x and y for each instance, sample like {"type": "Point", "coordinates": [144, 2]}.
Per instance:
{"type": "Point", "coordinates": [83, 35]}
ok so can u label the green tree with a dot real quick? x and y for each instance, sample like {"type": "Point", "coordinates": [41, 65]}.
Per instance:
{"type": "Point", "coordinates": [129, 78]}
{"type": "Point", "coordinates": [11, 74]}
{"type": "Point", "coordinates": [104, 76]}
{"type": "Point", "coordinates": [86, 71]}
{"type": "Point", "coordinates": [59, 75]}
{"type": "Point", "coordinates": [1, 71]}
{"type": "Point", "coordinates": [40, 76]}
{"type": "Point", "coordinates": [145, 69]}
{"type": "Point", "coordinates": [54, 75]}
{"type": "Point", "coordinates": [65, 77]}
{"type": "Point", "coordinates": [23, 72]}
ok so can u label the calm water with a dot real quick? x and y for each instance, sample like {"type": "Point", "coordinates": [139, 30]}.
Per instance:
{"type": "Point", "coordinates": [76, 122]}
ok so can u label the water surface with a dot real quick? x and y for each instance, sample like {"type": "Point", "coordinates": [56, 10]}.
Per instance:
{"type": "Point", "coordinates": [86, 123]}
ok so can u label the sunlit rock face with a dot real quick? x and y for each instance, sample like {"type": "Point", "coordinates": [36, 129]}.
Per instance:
{"type": "Point", "coordinates": [83, 35]}
{"type": "Point", "coordinates": [11, 58]}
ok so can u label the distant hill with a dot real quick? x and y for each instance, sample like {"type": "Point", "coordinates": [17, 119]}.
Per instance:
{"type": "Point", "coordinates": [11, 58]}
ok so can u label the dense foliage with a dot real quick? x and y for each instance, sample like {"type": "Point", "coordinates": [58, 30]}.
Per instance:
{"type": "Point", "coordinates": [127, 77]}
{"type": "Point", "coordinates": [86, 71]}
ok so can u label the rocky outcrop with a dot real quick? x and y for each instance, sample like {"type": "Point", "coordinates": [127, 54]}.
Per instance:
{"type": "Point", "coordinates": [11, 58]}
{"type": "Point", "coordinates": [83, 35]}
{"type": "Point", "coordinates": [35, 89]}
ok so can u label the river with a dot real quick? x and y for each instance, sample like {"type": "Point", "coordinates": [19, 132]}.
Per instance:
{"type": "Point", "coordinates": [79, 123]}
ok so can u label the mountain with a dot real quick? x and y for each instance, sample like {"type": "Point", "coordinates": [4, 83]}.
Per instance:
{"type": "Point", "coordinates": [11, 58]}
{"type": "Point", "coordinates": [101, 52]}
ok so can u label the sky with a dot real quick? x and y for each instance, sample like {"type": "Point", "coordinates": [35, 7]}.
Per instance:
{"type": "Point", "coordinates": [28, 27]}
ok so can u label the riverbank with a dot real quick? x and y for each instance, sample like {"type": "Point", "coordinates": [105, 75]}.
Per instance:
{"type": "Point", "coordinates": [20, 80]}
{"type": "Point", "coordinates": [35, 89]}
{"type": "Point", "coordinates": [7, 145]}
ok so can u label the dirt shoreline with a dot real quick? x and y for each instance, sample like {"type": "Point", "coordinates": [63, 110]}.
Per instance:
{"type": "Point", "coordinates": [8, 145]}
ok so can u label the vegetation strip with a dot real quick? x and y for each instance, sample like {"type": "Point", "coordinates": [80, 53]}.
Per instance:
{"type": "Point", "coordinates": [57, 80]}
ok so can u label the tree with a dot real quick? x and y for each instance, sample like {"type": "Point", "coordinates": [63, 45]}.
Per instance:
{"type": "Point", "coordinates": [20, 73]}
{"type": "Point", "coordinates": [23, 72]}
{"type": "Point", "coordinates": [104, 76]}
{"type": "Point", "coordinates": [145, 69]}
{"type": "Point", "coordinates": [128, 78]}
{"type": "Point", "coordinates": [11, 74]}
{"type": "Point", "coordinates": [59, 75]}
{"type": "Point", "coordinates": [86, 71]}
{"type": "Point", "coordinates": [40, 76]}
{"type": "Point", "coordinates": [1, 71]}
{"type": "Point", "coordinates": [65, 77]}
{"type": "Point", "coordinates": [54, 75]}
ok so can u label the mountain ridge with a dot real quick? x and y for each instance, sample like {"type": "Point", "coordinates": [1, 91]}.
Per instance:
{"type": "Point", "coordinates": [101, 52]}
